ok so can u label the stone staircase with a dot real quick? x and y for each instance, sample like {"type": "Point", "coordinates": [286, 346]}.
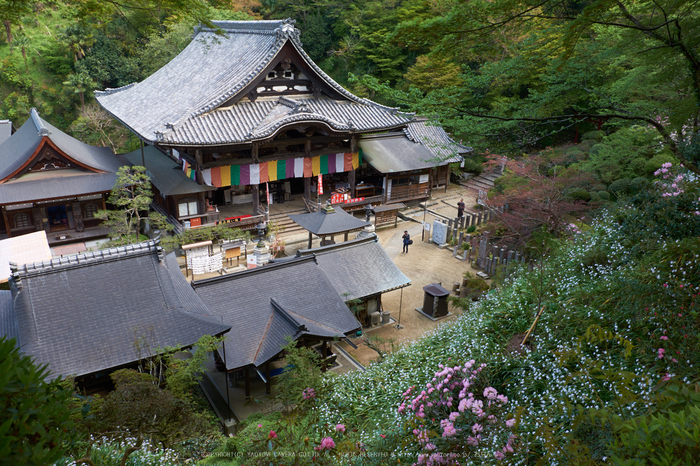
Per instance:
{"type": "Point", "coordinates": [290, 227]}
{"type": "Point", "coordinates": [484, 182]}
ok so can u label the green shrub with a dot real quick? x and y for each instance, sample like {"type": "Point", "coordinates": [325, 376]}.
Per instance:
{"type": "Point", "coordinates": [473, 166]}
{"type": "Point", "coordinates": [659, 159]}
{"type": "Point", "coordinates": [604, 195]}
{"type": "Point", "coordinates": [638, 166]}
{"type": "Point", "coordinates": [594, 197]}
{"type": "Point", "coordinates": [639, 184]}
{"type": "Point", "coordinates": [471, 229]}
{"type": "Point", "coordinates": [593, 135]}
{"type": "Point", "coordinates": [667, 435]}
{"type": "Point", "coordinates": [35, 425]}
{"type": "Point", "coordinates": [620, 187]}
{"type": "Point", "coordinates": [580, 195]}
{"type": "Point", "coordinates": [585, 146]}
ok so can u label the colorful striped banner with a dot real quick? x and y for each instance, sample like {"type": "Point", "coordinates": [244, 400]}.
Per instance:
{"type": "Point", "coordinates": [264, 176]}
{"type": "Point", "coordinates": [235, 173]}
{"type": "Point", "coordinates": [245, 174]}
{"type": "Point", "coordinates": [216, 177]}
{"type": "Point", "coordinates": [272, 170]}
{"type": "Point", "coordinates": [275, 170]}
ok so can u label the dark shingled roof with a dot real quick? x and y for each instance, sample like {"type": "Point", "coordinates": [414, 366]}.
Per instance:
{"type": "Point", "coordinates": [8, 322]}
{"type": "Point", "coordinates": [165, 173]}
{"type": "Point", "coordinates": [182, 103]}
{"type": "Point", "coordinates": [268, 304]}
{"type": "Point", "coordinates": [358, 268]}
{"type": "Point", "coordinates": [325, 222]}
{"type": "Point", "coordinates": [421, 145]}
{"type": "Point", "coordinates": [56, 184]}
{"type": "Point", "coordinates": [21, 145]}
{"type": "Point", "coordinates": [87, 313]}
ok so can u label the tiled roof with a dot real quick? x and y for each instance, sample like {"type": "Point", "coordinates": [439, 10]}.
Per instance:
{"type": "Point", "coordinates": [102, 310]}
{"type": "Point", "coordinates": [164, 172]}
{"type": "Point", "coordinates": [8, 322]}
{"type": "Point", "coordinates": [15, 151]}
{"type": "Point", "coordinates": [421, 145]}
{"type": "Point", "coordinates": [436, 140]}
{"type": "Point", "coordinates": [56, 184]}
{"type": "Point", "coordinates": [181, 104]}
{"type": "Point", "coordinates": [266, 305]}
{"type": "Point", "coordinates": [322, 222]}
{"type": "Point", "coordinates": [358, 268]}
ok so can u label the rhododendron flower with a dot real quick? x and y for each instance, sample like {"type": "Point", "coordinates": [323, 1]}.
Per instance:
{"type": "Point", "coordinates": [340, 428]}
{"type": "Point", "coordinates": [499, 455]}
{"type": "Point", "coordinates": [309, 394]}
{"type": "Point", "coordinates": [272, 435]}
{"type": "Point", "coordinates": [664, 337]}
{"type": "Point", "coordinates": [472, 441]}
{"type": "Point", "coordinates": [661, 353]}
{"type": "Point", "coordinates": [490, 393]}
{"type": "Point", "coordinates": [327, 443]}
{"type": "Point", "coordinates": [510, 422]}
{"type": "Point", "coordinates": [476, 428]}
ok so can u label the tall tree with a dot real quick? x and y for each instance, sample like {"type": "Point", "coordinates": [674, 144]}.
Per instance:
{"type": "Point", "coordinates": [536, 68]}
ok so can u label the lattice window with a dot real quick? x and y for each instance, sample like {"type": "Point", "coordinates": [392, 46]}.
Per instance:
{"type": "Point", "coordinates": [22, 220]}
{"type": "Point", "coordinates": [90, 210]}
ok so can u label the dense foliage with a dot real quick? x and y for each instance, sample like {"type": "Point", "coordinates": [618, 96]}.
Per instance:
{"type": "Point", "coordinates": [35, 425]}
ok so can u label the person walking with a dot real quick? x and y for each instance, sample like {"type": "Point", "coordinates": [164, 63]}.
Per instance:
{"type": "Point", "coordinates": [460, 208]}
{"type": "Point", "coordinates": [406, 241]}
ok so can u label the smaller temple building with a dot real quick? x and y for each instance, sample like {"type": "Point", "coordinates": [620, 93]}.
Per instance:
{"type": "Point", "coordinates": [50, 181]}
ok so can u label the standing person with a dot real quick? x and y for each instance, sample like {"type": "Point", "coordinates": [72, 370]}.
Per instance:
{"type": "Point", "coordinates": [406, 241]}
{"type": "Point", "coordinates": [460, 208]}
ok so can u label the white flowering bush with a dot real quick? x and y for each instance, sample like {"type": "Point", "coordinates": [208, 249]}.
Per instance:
{"type": "Point", "coordinates": [619, 320]}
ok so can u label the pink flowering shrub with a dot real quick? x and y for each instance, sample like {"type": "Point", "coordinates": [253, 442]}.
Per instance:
{"type": "Point", "coordinates": [455, 417]}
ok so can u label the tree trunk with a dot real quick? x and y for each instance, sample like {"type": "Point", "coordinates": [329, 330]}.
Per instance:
{"type": "Point", "coordinates": [8, 30]}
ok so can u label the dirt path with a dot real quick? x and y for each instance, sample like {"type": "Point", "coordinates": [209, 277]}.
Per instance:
{"type": "Point", "coordinates": [424, 264]}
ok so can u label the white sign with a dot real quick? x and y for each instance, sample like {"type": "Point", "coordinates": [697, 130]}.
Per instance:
{"type": "Point", "coordinates": [439, 232]}
{"type": "Point", "coordinates": [481, 200]}
{"type": "Point", "coordinates": [426, 226]}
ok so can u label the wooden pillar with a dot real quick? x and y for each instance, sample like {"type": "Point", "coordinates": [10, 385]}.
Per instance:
{"type": "Point", "coordinates": [351, 175]}
{"type": "Point", "coordinates": [430, 184]}
{"type": "Point", "coordinates": [307, 190]}
{"type": "Point", "coordinates": [254, 153]}
{"type": "Point", "coordinates": [447, 180]}
{"type": "Point", "coordinates": [256, 199]}
{"type": "Point", "coordinates": [7, 223]}
{"type": "Point", "coordinates": [346, 235]}
{"type": "Point", "coordinates": [198, 169]}
{"type": "Point", "coordinates": [268, 383]}
{"type": "Point", "coordinates": [311, 238]}
{"type": "Point", "coordinates": [246, 376]}
{"type": "Point", "coordinates": [386, 188]}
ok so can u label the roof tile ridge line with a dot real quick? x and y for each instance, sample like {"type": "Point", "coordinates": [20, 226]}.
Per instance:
{"type": "Point", "coordinates": [288, 316]}
{"type": "Point", "coordinates": [337, 247]}
{"type": "Point", "coordinates": [296, 117]}
{"type": "Point", "coordinates": [173, 302]}
{"type": "Point", "coordinates": [112, 90]}
{"type": "Point", "coordinates": [317, 322]}
{"type": "Point", "coordinates": [235, 276]}
{"type": "Point", "coordinates": [262, 340]}
{"type": "Point", "coordinates": [88, 258]}
{"type": "Point", "coordinates": [39, 123]}
{"type": "Point", "coordinates": [299, 46]}
{"type": "Point", "coordinates": [280, 39]}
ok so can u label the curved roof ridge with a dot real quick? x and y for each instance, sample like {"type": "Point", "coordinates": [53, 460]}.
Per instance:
{"type": "Point", "coordinates": [38, 122]}
{"type": "Point", "coordinates": [112, 90]}
{"type": "Point", "coordinates": [284, 31]}
{"type": "Point", "coordinates": [79, 260]}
